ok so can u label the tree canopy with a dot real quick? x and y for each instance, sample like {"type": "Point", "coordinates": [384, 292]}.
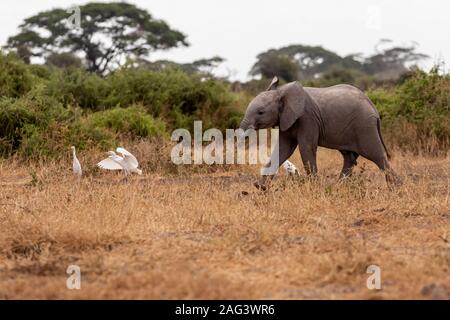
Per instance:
{"type": "Point", "coordinates": [301, 62]}
{"type": "Point", "coordinates": [107, 35]}
{"type": "Point", "coordinates": [203, 66]}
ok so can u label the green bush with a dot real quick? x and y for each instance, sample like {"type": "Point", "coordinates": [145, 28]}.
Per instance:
{"type": "Point", "coordinates": [77, 87]}
{"type": "Point", "coordinates": [41, 71]}
{"type": "Point", "coordinates": [13, 117]}
{"type": "Point", "coordinates": [425, 99]}
{"type": "Point", "coordinates": [421, 102]}
{"type": "Point", "coordinates": [15, 78]}
{"type": "Point", "coordinates": [338, 74]}
{"type": "Point", "coordinates": [383, 99]}
{"type": "Point", "coordinates": [132, 120]}
{"type": "Point", "coordinates": [43, 109]}
{"type": "Point", "coordinates": [53, 141]}
{"type": "Point", "coordinates": [36, 126]}
{"type": "Point", "coordinates": [172, 95]}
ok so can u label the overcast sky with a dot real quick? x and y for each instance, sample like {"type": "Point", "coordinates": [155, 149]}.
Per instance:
{"type": "Point", "coordinates": [238, 30]}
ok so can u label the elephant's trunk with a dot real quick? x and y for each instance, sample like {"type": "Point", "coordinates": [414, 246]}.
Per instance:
{"type": "Point", "coordinates": [245, 125]}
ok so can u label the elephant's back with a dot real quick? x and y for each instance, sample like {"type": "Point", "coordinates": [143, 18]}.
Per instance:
{"type": "Point", "coordinates": [345, 112]}
{"type": "Point", "coordinates": [342, 100]}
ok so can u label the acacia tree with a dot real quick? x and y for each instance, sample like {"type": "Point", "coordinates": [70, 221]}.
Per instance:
{"type": "Point", "coordinates": [295, 62]}
{"type": "Point", "coordinates": [272, 63]}
{"type": "Point", "coordinates": [108, 34]}
{"type": "Point", "coordinates": [393, 60]}
{"type": "Point", "coordinates": [300, 62]}
{"type": "Point", "coordinates": [203, 66]}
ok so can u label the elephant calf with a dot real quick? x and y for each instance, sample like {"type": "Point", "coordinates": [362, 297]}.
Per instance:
{"type": "Point", "coordinates": [340, 117]}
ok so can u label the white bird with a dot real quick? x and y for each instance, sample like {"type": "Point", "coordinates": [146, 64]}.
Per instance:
{"type": "Point", "coordinates": [290, 168]}
{"type": "Point", "coordinates": [127, 162]}
{"type": "Point", "coordinates": [76, 166]}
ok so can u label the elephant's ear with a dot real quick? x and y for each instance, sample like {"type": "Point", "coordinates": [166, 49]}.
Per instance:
{"type": "Point", "coordinates": [274, 84]}
{"type": "Point", "coordinates": [294, 100]}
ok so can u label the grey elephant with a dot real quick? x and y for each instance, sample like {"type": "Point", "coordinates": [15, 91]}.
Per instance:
{"type": "Point", "coordinates": [340, 117]}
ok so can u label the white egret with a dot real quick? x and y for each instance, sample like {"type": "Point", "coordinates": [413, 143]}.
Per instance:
{"type": "Point", "coordinates": [76, 166]}
{"type": "Point", "coordinates": [290, 168]}
{"type": "Point", "coordinates": [127, 162]}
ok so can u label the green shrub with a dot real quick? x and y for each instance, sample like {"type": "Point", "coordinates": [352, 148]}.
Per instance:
{"type": "Point", "coordinates": [85, 136]}
{"type": "Point", "coordinates": [421, 104]}
{"type": "Point", "coordinates": [15, 78]}
{"type": "Point", "coordinates": [425, 99]}
{"type": "Point", "coordinates": [338, 74]}
{"type": "Point", "coordinates": [383, 99]}
{"type": "Point", "coordinates": [172, 95]}
{"type": "Point", "coordinates": [44, 109]}
{"type": "Point", "coordinates": [77, 87]}
{"type": "Point", "coordinates": [41, 71]}
{"type": "Point", "coordinates": [13, 117]}
{"type": "Point", "coordinates": [37, 126]}
{"type": "Point", "coordinates": [132, 120]}
{"type": "Point", "coordinates": [53, 141]}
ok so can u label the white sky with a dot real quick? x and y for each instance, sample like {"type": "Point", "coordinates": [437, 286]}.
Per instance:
{"type": "Point", "coordinates": [238, 30]}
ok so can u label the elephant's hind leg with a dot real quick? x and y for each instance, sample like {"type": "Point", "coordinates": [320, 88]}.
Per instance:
{"type": "Point", "coordinates": [392, 179]}
{"type": "Point", "coordinates": [372, 148]}
{"type": "Point", "coordinates": [349, 162]}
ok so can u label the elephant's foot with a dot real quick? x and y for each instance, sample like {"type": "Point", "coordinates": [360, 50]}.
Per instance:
{"type": "Point", "coordinates": [294, 175]}
{"type": "Point", "coordinates": [263, 183]}
{"type": "Point", "coordinates": [310, 177]}
{"type": "Point", "coordinates": [344, 177]}
{"type": "Point", "coordinates": [393, 180]}
{"type": "Point", "coordinates": [300, 178]}
{"type": "Point", "coordinates": [260, 186]}
{"type": "Point", "coordinates": [346, 173]}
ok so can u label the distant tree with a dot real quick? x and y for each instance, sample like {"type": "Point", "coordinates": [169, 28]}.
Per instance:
{"type": "Point", "coordinates": [392, 62]}
{"type": "Point", "coordinates": [64, 60]}
{"type": "Point", "coordinates": [339, 75]}
{"type": "Point", "coordinates": [206, 65]}
{"type": "Point", "coordinates": [202, 66]}
{"type": "Point", "coordinates": [312, 60]}
{"type": "Point", "coordinates": [300, 62]}
{"type": "Point", "coordinates": [109, 33]}
{"type": "Point", "coordinates": [297, 62]}
{"type": "Point", "coordinates": [273, 63]}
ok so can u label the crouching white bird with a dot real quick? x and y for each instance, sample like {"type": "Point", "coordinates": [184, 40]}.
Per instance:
{"type": "Point", "coordinates": [76, 166]}
{"type": "Point", "coordinates": [126, 162]}
{"type": "Point", "coordinates": [290, 168]}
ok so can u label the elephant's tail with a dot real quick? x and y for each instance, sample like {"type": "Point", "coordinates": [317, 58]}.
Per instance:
{"type": "Point", "coordinates": [381, 138]}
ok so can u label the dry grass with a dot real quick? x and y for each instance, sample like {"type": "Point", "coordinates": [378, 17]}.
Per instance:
{"type": "Point", "coordinates": [195, 236]}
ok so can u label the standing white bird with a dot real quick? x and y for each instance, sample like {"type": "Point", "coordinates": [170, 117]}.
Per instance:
{"type": "Point", "coordinates": [127, 162]}
{"type": "Point", "coordinates": [76, 166]}
{"type": "Point", "coordinates": [290, 168]}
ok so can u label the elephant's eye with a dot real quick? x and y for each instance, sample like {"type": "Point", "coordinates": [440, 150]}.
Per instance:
{"type": "Point", "coordinates": [260, 112]}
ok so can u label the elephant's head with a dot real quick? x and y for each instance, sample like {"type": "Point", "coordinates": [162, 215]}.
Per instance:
{"type": "Point", "coordinates": [276, 107]}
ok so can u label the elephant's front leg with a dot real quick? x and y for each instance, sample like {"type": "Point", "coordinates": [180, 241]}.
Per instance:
{"type": "Point", "coordinates": [308, 155]}
{"type": "Point", "coordinates": [284, 149]}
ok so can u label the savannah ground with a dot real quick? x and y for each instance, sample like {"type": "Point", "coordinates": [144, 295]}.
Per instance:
{"type": "Point", "coordinates": [194, 235]}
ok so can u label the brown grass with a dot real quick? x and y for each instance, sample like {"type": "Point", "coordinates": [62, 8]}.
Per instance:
{"type": "Point", "coordinates": [195, 235]}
